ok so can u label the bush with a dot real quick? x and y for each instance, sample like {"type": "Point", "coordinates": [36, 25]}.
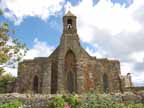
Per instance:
{"type": "Point", "coordinates": [89, 100]}
{"type": "Point", "coordinates": [6, 81]}
{"type": "Point", "coordinates": [13, 104]}
{"type": "Point", "coordinates": [61, 101]}
{"type": "Point", "coordinates": [92, 100]}
{"type": "Point", "coordinates": [72, 101]}
{"type": "Point", "coordinates": [56, 102]}
{"type": "Point", "coordinates": [134, 105]}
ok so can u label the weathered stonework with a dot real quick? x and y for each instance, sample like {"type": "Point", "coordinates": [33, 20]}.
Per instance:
{"type": "Point", "coordinates": [69, 68]}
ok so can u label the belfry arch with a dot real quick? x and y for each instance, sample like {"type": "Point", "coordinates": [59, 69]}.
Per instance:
{"type": "Point", "coordinates": [70, 72]}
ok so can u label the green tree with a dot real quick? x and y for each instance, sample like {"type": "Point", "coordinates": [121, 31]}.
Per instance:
{"type": "Point", "coordinates": [11, 49]}
{"type": "Point", "coordinates": [6, 82]}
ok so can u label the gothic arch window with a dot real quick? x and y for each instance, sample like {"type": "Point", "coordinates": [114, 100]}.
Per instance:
{"type": "Point", "coordinates": [69, 23]}
{"type": "Point", "coordinates": [105, 84]}
{"type": "Point", "coordinates": [70, 71]}
{"type": "Point", "coordinates": [54, 78]}
{"type": "Point", "coordinates": [35, 84]}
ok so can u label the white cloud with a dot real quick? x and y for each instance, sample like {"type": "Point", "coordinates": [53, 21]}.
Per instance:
{"type": "Point", "coordinates": [94, 53]}
{"type": "Point", "coordinates": [112, 26]}
{"type": "Point", "coordinates": [107, 16]}
{"type": "Point", "coordinates": [12, 71]}
{"type": "Point", "coordinates": [126, 68]}
{"type": "Point", "coordinates": [17, 10]}
{"type": "Point", "coordinates": [39, 49]}
{"type": "Point", "coordinates": [138, 78]}
{"type": "Point", "coordinates": [137, 56]}
{"type": "Point", "coordinates": [114, 30]}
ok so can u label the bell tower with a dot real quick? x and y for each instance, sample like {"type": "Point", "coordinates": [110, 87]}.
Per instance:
{"type": "Point", "coordinates": [69, 35]}
{"type": "Point", "coordinates": [69, 23]}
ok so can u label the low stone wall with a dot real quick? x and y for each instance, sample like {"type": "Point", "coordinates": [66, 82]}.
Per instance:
{"type": "Point", "coordinates": [128, 97]}
{"type": "Point", "coordinates": [41, 101]}
{"type": "Point", "coordinates": [29, 100]}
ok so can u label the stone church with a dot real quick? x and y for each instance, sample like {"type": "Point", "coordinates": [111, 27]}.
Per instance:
{"type": "Point", "coordinates": [69, 69]}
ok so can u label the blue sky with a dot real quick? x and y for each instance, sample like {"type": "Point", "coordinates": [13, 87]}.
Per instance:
{"type": "Point", "coordinates": [49, 30]}
{"type": "Point", "coordinates": [107, 28]}
{"type": "Point", "coordinates": [33, 27]}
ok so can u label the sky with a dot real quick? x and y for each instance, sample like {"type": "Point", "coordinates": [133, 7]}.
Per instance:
{"type": "Point", "coordinates": [110, 29]}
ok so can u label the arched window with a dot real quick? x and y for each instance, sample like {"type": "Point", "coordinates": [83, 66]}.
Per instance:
{"type": "Point", "coordinates": [54, 78]}
{"type": "Point", "coordinates": [70, 71]}
{"type": "Point", "coordinates": [105, 84]}
{"type": "Point", "coordinates": [69, 23]}
{"type": "Point", "coordinates": [35, 84]}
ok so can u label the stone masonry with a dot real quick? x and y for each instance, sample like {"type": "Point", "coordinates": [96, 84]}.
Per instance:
{"type": "Point", "coordinates": [69, 68]}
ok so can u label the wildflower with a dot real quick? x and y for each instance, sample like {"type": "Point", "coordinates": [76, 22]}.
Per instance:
{"type": "Point", "coordinates": [67, 105]}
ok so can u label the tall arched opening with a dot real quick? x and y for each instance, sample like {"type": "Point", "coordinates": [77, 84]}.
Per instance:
{"type": "Point", "coordinates": [35, 84]}
{"type": "Point", "coordinates": [70, 72]}
{"type": "Point", "coordinates": [105, 84]}
{"type": "Point", "coordinates": [54, 78]}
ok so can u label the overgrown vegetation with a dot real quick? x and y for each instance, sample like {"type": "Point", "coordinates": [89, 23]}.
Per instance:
{"type": "Point", "coordinates": [6, 82]}
{"type": "Point", "coordinates": [90, 100]}
{"type": "Point", "coordinates": [64, 101]}
{"type": "Point", "coordinates": [12, 104]}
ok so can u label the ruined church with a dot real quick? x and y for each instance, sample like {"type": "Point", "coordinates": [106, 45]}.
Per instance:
{"type": "Point", "coordinates": [69, 69]}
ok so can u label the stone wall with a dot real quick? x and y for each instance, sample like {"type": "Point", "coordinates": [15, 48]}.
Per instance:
{"type": "Point", "coordinates": [30, 101]}
{"type": "Point", "coordinates": [27, 71]}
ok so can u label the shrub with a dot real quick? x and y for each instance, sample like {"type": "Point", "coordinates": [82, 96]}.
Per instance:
{"type": "Point", "coordinates": [92, 100]}
{"type": "Point", "coordinates": [5, 81]}
{"type": "Point", "coordinates": [12, 104]}
{"type": "Point", "coordinates": [61, 101]}
{"type": "Point", "coordinates": [134, 105]}
{"type": "Point", "coordinates": [72, 100]}
{"type": "Point", "coordinates": [56, 102]}
{"type": "Point", "coordinates": [95, 101]}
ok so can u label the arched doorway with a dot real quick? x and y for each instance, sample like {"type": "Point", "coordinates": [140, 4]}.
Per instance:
{"type": "Point", "coordinates": [105, 84]}
{"type": "Point", "coordinates": [54, 78]}
{"type": "Point", "coordinates": [70, 71]}
{"type": "Point", "coordinates": [35, 84]}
